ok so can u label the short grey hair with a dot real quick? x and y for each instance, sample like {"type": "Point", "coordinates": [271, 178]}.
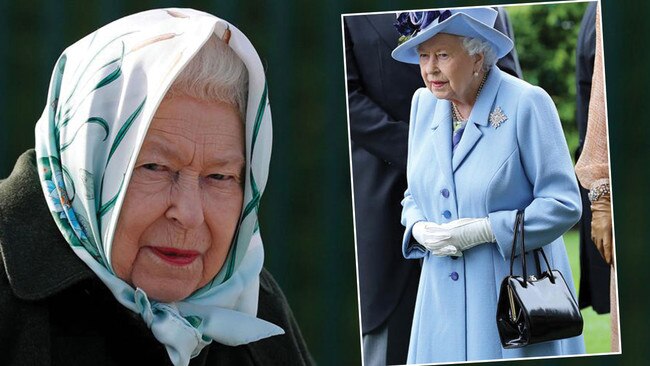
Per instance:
{"type": "Point", "coordinates": [475, 46]}
{"type": "Point", "coordinates": [214, 74]}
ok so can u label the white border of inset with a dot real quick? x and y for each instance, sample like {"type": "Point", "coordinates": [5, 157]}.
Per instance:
{"type": "Point", "coordinates": [352, 176]}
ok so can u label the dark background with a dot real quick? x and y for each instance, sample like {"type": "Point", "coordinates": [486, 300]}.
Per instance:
{"type": "Point", "coordinates": [306, 211]}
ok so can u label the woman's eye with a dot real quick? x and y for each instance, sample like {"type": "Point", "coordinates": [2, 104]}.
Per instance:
{"type": "Point", "coordinates": [423, 55]}
{"type": "Point", "coordinates": [224, 181]}
{"type": "Point", "coordinates": [153, 167]}
{"type": "Point", "coordinates": [442, 55]}
{"type": "Point", "coordinates": [218, 176]}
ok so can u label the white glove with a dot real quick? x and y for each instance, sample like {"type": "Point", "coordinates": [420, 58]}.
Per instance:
{"type": "Point", "coordinates": [453, 237]}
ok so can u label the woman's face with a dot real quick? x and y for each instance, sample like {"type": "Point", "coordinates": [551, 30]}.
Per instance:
{"type": "Point", "coordinates": [447, 69]}
{"type": "Point", "coordinates": [183, 203]}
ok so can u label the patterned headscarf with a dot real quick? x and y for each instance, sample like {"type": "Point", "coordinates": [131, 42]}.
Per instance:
{"type": "Point", "coordinates": [103, 94]}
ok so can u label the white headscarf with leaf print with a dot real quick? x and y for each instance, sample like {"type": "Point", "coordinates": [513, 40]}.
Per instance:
{"type": "Point", "coordinates": [103, 94]}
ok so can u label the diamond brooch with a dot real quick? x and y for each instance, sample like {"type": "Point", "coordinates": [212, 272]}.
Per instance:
{"type": "Point", "coordinates": [497, 117]}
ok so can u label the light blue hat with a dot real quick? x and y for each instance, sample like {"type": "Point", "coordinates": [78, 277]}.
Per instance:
{"type": "Point", "coordinates": [417, 27]}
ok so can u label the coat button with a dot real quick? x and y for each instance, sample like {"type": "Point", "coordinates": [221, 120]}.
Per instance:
{"type": "Point", "coordinates": [445, 192]}
{"type": "Point", "coordinates": [454, 276]}
{"type": "Point", "coordinates": [446, 214]}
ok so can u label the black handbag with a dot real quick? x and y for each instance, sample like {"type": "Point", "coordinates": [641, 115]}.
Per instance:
{"type": "Point", "coordinates": [537, 308]}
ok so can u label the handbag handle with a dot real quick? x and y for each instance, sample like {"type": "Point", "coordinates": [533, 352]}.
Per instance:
{"type": "Point", "coordinates": [519, 231]}
{"type": "Point", "coordinates": [548, 266]}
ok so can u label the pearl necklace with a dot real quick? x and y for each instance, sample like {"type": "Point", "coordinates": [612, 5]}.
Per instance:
{"type": "Point", "coordinates": [456, 116]}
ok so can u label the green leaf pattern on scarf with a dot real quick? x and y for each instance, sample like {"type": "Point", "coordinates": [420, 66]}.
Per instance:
{"type": "Point", "coordinates": [71, 106]}
{"type": "Point", "coordinates": [57, 178]}
{"type": "Point", "coordinates": [96, 120]}
{"type": "Point", "coordinates": [62, 191]}
{"type": "Point", "coordinates": [194, 320]}
{"type": "Point", "coordinates": [124, 129]}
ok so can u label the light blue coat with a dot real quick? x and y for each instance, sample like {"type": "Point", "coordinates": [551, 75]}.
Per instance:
{"type": "Point", "coordinates": [522, 164]}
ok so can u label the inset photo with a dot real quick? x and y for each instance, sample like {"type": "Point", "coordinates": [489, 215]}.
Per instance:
{"type": "Point", "coordinates": [481, 183]}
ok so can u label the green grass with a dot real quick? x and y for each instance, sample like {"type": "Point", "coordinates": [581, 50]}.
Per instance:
{"type": "Point", "coordinates": [597, 330]}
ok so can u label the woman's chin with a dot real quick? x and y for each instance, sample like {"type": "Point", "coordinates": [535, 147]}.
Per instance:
{"type": "Point", "coordinates": [166, 282]}
{"type": "Point", "coordinates": [439, 93]}
{"type": "Point", "coordinates": [165, 290]}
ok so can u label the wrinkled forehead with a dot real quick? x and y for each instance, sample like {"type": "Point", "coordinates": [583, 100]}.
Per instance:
{"type": "Point", "coordinates": [186, 121]}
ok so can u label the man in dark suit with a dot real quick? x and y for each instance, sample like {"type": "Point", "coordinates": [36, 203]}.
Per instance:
{"type": "Point", "coordinates": [379, 97]}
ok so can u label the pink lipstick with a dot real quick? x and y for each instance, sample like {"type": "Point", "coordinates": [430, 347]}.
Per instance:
{"type": "Point", "coordinates": [175, 256]}
{"type": "Point", "coordinates": [438, 84]}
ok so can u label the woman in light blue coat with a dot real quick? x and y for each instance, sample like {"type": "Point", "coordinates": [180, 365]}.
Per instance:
{"type": "Point", "coordinates": [482, 145]}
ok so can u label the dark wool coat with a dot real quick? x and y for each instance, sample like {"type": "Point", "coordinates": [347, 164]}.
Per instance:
{"type": "Point", "coordinates": [55, 311]}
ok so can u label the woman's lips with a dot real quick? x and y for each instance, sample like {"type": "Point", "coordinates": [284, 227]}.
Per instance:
{"type": "Point", "coordinates": [438, 84]}
{"type": "Point", "coordinates": [175, 256]}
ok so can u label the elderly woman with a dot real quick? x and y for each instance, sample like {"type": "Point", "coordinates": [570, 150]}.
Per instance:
{"type": "Point", "coordinates": [130, 235]}
{"type": "Point", "coordinates": [482, 145]}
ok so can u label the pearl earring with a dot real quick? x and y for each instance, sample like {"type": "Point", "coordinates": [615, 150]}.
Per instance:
{"type": "Point", "coordinates": [475, 73]}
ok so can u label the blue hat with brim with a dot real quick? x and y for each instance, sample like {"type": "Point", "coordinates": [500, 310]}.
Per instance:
{"type": "Point", "coordinates": [469, 22]}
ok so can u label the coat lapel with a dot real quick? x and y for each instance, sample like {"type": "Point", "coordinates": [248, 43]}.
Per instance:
{"type": "Point", "coordinates": [441, 127]}
{"type": "Point", "coordinates": [38, 260]}
{"type": "Point", "coordinates": [478, 118]}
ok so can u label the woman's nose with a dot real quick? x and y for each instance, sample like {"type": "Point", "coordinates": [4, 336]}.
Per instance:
{"type": "Point", "coordinates": [186, 207]}
{"type": "Point", "coordinates": [431, 66]}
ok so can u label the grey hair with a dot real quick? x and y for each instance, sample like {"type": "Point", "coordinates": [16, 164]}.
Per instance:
{"type": "Point", "coordinates": [214, 74]}
{"type": "Point", "coordinates": [475, 46]}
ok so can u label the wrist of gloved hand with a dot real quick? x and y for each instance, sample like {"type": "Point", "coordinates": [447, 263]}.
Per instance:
{"type": "Point", "coordinates": [601, 227]}
{"type": "Point", "coordinates": [454, 237]}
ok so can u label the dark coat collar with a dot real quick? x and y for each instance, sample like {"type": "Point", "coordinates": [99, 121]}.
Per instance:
{"type": "Point", "coordinates": [38, 261]}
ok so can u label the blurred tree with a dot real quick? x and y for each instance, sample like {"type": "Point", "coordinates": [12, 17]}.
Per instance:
{"type": "Point", "coordinates": [546, 39]}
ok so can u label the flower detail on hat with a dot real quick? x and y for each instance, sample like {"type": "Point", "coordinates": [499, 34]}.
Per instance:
{"type": "Point", "coordinates": [408, 24]}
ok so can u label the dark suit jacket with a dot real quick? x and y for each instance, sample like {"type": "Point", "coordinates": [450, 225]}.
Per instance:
{"type": "Point", "coordinates": [379, 97]}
